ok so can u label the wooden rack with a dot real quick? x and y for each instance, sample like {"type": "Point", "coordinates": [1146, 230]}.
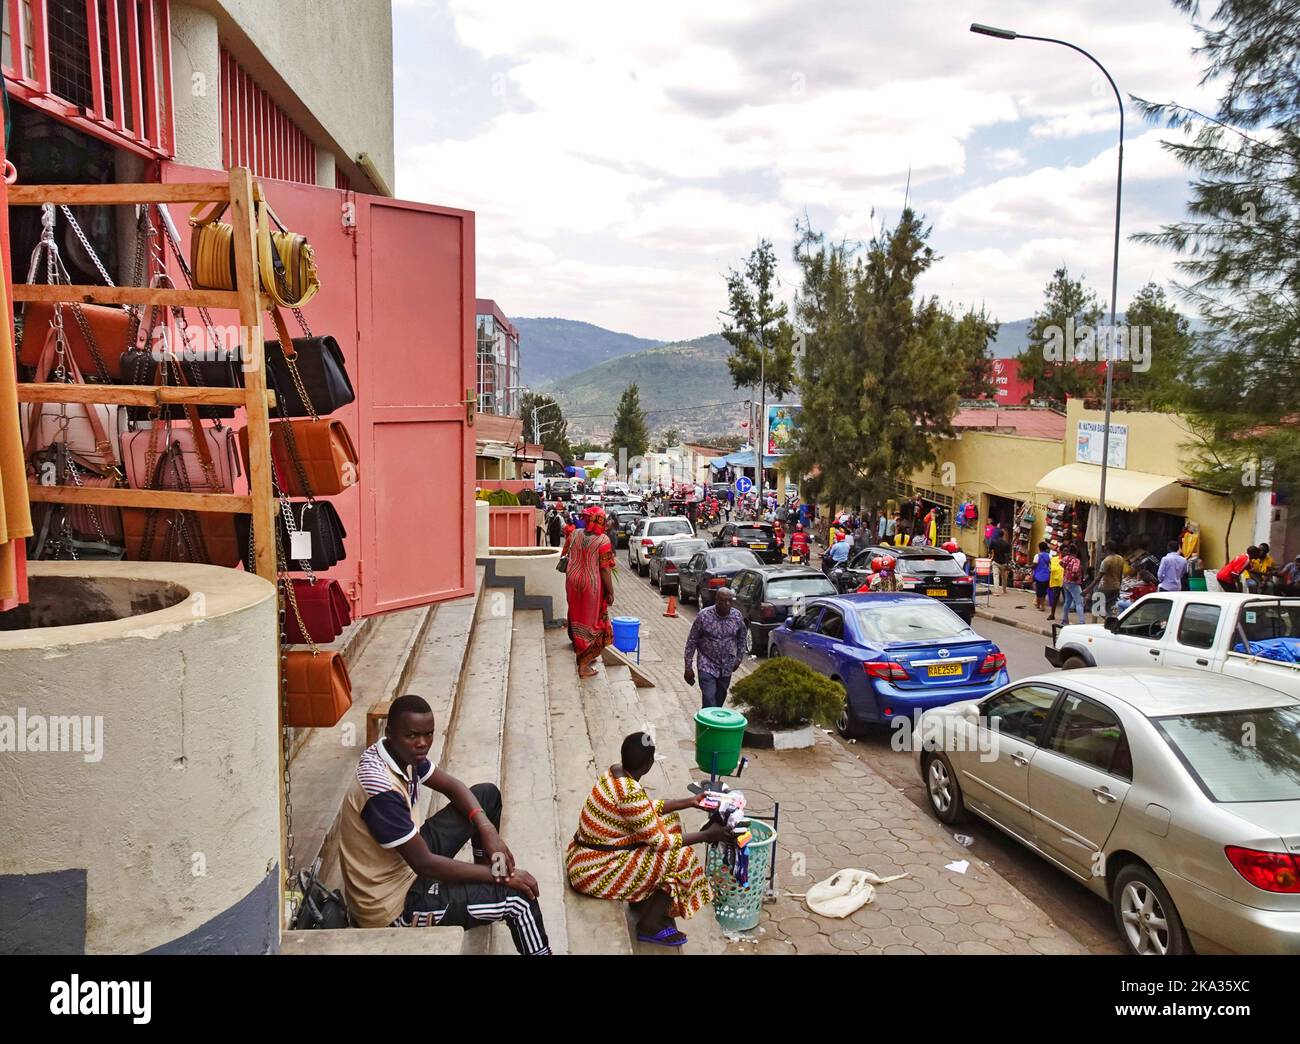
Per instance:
{"type": "Point", "coordinates": [240, 193]}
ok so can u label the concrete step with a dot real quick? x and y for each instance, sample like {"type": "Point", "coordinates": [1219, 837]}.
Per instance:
{"type": "Point", "coordinates": [405, 942]}
{"type": "Point", "coordinates": [593, 926]}
{"type": "Point", "coordinates": [474, 741]}
{"type": "Point", "coordinates": [528, 819]}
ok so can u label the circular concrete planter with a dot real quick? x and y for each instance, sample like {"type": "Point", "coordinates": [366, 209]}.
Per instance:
{"type": "Point", "coordinates": [138, 725]}
{"type": "Point", "coordinates": [760, 737]}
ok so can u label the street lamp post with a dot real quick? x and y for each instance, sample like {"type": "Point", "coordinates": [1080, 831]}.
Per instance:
{"type": "Point", "coordinates": [1010, 34]}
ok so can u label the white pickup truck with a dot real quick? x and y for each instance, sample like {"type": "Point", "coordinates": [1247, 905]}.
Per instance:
{"type": "Point", "coordinates": [1255, 637]}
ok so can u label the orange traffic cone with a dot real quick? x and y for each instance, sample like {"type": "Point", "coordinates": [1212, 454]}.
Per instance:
{"type": "Point", "coordinates": [672, 606]}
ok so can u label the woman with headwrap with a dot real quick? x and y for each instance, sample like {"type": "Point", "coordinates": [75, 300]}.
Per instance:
{"type": "Point", "coordinates": [589, 585]}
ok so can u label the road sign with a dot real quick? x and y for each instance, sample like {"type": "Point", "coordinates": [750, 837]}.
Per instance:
{"type": "Point", "coordinates": [744, 484]}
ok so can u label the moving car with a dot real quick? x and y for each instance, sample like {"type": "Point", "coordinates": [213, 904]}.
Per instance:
{"type": "Point", "coordinates": [710, 569]}
{"type": "Point", "coordinates": [622, 521]}
{"type": "Point", "coordinates": [650, 531]}
{"type": "Point", "coordinates": [1254, 637]}
{"type": "Point", "coordinates": [759, 537]}
{"type": "Point", "coordinates": [667, 559]}
{"type": "Point", "coordinates": [560, 489]}
{"type": "Point", "coordinates": [767, 595]}
{"type": "Point", "coordinates": [896, 655]}
{"type": "Point", "coordinates": [930, 571]}
{"type": "Point", "coordinates": [1136, 782]}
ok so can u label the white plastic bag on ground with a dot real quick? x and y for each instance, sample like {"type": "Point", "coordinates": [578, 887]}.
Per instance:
{"type": "Point", "coordinates": [845, 891]}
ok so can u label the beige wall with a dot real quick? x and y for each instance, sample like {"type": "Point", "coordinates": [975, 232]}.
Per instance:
{"type": "Point", "coordinates": [984, 463]}
{"type": "Point", "coordinates": [328, 63]}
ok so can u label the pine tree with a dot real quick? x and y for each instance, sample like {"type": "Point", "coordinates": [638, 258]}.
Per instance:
{"type": "Point", "coordinates": [1239, 246]}
{"type": "Point", "coordinates": [630, 430]}
{"type": "Point", "coordinates": [549, 419]}
{"type": "Point", "coordinates": [883, 368]}
{"type": "Point", "coordinates": [1061, 331]}
{"type": "Point", "coordinates": [758, 323]}
{"type": "Point", "coordinates": [1155, 372]}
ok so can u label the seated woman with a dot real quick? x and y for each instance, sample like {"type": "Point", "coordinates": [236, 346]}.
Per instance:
{"type": "Point", "coordinates": [631, 848]}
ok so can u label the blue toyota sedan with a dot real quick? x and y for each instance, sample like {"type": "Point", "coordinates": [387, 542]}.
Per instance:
{"type": "Point", "coordinates": [895, 654]}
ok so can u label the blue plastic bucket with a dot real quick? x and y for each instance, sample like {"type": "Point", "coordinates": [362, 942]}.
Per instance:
{"type": "Point", "coordinates": [626, 632]}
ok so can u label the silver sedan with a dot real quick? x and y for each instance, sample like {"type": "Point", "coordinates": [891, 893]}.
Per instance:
{"type": "Point", "coordinates": [1172, 794]}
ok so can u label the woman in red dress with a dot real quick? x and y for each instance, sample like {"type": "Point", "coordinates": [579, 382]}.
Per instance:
{"type": "Point", "coordinates": [589, 585]}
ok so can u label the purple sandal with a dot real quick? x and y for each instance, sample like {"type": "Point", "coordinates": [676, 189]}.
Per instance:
{"type": "Point", "coordinates": [664, 937]}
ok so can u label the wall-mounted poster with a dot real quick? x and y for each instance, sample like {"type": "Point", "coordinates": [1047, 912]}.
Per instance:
{"type": "Point", "coordinates": [782, 420]}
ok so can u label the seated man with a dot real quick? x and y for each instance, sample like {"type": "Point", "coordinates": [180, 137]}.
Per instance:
{"type": "Point", "coordinates": [395, 875]}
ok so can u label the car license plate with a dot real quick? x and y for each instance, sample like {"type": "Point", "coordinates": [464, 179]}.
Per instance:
{"type": "Point", "coordinates": [759, 547]}
{"type": "Point", "coordinates": [936, 592]}
{"type": "Point", "coordinates": [945, 670]}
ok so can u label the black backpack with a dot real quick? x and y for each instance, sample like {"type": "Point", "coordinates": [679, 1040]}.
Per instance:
{"type": "Point", "coordinates": [319, 908]}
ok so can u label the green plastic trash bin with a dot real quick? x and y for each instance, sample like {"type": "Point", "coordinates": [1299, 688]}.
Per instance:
{"type": "Point", "coordinates": [737, 906]}
{"type": "Point", "coordinates": [719, 730]}
{"type": "Point", "coordinates": [1196, 583]}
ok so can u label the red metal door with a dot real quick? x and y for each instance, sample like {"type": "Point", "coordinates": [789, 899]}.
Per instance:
{"type": "Point", "coordinates": [415, 306]}
{"type": "Point", "coordinates": [397, 292]}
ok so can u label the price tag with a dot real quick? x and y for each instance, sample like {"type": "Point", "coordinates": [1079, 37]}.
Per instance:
{"type": "Point", "coordinates": [300, 546]}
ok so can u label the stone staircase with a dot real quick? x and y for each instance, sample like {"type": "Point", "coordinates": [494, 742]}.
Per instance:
{"type": "Point", "coordinates": [510, 709]}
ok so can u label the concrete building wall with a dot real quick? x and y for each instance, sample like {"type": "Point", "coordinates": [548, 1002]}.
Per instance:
{"type": "Point", "coordinates": [328, 63]}
{"type": "Point", "coordinates": [168, 836]}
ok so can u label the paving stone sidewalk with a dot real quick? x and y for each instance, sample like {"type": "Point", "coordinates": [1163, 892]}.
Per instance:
{"type": "Point", "coordinates": [837, 813]}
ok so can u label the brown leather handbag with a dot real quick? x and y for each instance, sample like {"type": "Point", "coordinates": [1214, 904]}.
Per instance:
{"type": "Point", "coordinates": [314, 458]}
{"type": "Point", "coordinates": [97, 334]}
{"type": "Point", "coordinates": [317, 689]}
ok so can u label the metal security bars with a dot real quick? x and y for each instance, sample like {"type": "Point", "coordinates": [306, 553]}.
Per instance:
{"type": "Point", "coordinates": [103, 66]}
{"type": "Point", "coordinates": [257, 134]}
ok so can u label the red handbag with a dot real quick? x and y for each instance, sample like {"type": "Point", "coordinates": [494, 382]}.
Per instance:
{"type": "Point", "coordinates": [324, 609]}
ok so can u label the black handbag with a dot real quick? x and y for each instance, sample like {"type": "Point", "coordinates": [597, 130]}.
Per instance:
{"type": "Point", "coordinates": [319, 907]}
{"type": "Point", "coordinates": [321, 374]}
{"type": "Point", "coordinates": [140, 366]}
{"type": "Point", "coordinates": [316, 517]}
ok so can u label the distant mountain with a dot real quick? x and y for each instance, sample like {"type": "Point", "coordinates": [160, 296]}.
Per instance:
{"type": "Point", "coordinates": [551, 349]}
{"type": "Point", "coordinates": [682, 385]}
{"type": "Point", "coordinates": [1012, 339]}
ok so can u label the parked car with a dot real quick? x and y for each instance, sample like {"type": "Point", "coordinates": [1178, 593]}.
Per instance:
{"type": "Point", "coordinates": [621, 524]}
{"type": "Point", "coordinates": [767, 595]}
{"type": "Point", "coordinates": [1255, 637]}
{"type": "Point", "coordinates": [930, 571]}
{"type": "Point", "coordinates": [1136, 782]}
{"type": "Point", "coordinates": [759, 537]}
{"type": "Point", "coordinates": [650, 531]}
{"type": "Point", "coordinates": [560, 489]}
{"type": "Point", "coordinates": [666, 559]}
{"type": "Point", "coordinates": [710, 569]}
{"type": "Point", "coordinates": [895, 654]}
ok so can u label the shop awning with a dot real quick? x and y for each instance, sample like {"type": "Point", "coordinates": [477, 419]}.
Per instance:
{"type": "Point", "coordinates": [499, 450]}
{"type": "Point", "coordinates": [1128, 490]}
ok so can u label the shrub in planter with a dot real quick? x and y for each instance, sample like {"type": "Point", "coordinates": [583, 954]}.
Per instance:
{"type": "Point", "coordinates": [784, 694]}
{"type": "Point", "coordinates": [529, 498]}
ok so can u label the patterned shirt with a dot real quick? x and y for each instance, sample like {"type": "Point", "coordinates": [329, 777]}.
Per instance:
{"type": "Point", "coordinates": [720, 641]}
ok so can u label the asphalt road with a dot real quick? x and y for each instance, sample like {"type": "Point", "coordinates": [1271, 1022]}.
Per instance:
{"type": "Point", "coordinates": [1081, 913]}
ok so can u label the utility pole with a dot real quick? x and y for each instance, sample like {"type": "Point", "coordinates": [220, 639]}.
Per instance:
{"type": "Point", "coordinates": [760, 449]}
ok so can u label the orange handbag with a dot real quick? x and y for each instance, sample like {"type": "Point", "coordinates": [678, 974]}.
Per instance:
{"type": "Point", "coordinates": [312, 458]}
{"type": "Point", "coordinates": [108, 328]}
{"type": "Point", "coordinates": [318, 691]}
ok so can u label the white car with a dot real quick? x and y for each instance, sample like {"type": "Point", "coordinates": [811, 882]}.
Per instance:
{"type": "Point", "coordinates": [1174, 795]}
{"type": "Point", "coordinates": [1237, 635]}
{"type": "Point", "coordinates": [651, 531]}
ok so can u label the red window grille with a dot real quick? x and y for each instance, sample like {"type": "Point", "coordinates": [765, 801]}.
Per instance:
{"type": "Point", "coordinates": [342, 181]}
{"type": "Point", "coordinates": [257, 133]}
{"type": "Point", "coordinates": [103, 66]}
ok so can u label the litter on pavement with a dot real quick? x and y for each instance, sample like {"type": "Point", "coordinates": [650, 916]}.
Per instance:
{"type": "Point", "coordinates": [845, 891]}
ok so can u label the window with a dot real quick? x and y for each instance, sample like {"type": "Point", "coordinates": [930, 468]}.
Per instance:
{"type": "Point", "coordinates": [799, 587]}
{"type": "Point", "coordinates": [832, 625]}
{"type": "Point", "coordinates": [1211, 747]}
{"type": "Point", "coordinates": [1019, 713]}
{"type": "Point", "coordinates": [929, 565]}
{"type": "Point", "coordinates": [805, 620]}
{"type": "Point", "coordinates": [1198, 626]}
{"type": "Point", "coordinates": [742, 585]}
{"type": "Point", "coordinates": [911, 621]}
{"type": "Point", "coordinates": [670, 527]}
{"type": "Point", "coordinates": [1088, 732]}
{"type": "Point", "coordinates": [732, 557]}
{"type": "Point", "coordinates": [697, 563]}
{"type": "Point", "coordinates": [1147, 619]}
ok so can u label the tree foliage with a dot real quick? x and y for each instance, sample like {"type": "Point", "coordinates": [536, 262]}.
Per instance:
{"type": "Point", "coordinates": [539, 411]}
{"type": "Point", "coordinates": [758, 325]}
{"type": "Point", "coordinates": [630, 429]}
{"type": "Point", "coordinates": [883, 367]}
{"type": "Point", "coordinates": [1069, 314]}
{"type": "Point", "coordinates": [1239, 259]}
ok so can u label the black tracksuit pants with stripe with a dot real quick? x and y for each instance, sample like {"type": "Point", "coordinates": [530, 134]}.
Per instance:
{"type": "Point", "coordinates": [468, 905]}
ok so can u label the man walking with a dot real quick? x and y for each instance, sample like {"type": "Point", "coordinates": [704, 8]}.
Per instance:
{"type": "Point", "coordinates": [1001, 552]}
{"type": "Point", "coordinates": [1173, 568]}
{"type": "Point", "coordinates": [718, 636]}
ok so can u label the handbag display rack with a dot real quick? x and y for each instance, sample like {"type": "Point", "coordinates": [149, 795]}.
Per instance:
{"type": "Point", "coordinates": [241, 196]}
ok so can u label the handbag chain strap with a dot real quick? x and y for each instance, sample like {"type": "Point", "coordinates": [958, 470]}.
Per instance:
{"type": "Point", "coordinates": [291, 443]}
{"type": "Point", "coordinates": [290, 356]}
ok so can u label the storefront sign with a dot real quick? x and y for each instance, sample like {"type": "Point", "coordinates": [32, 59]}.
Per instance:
{"type": "Point", "coordinates": [1089, 440]}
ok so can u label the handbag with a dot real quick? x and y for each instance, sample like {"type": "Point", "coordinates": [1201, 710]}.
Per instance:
{"type": "Point", "coordinates": [87, 429]}
{"type": "Point", "coordinates": [94, 336]}
{"type": "Point", "coordinates": [92, 522]}
{"type": "Point", "coordinates": [154, 363]}
{"type": "Point", "coordinates": [319, 907]}
{"type": "Point", "coordinates": [286, 263]}
{"type": "Point", "coordinates": [324, 609]}
{"type": "Point", "coordinates": [208, 461]}
{"type": "Point", "coordinates": [319, 519]}
{"type": "Point", "coordinates": [310, 377]}
{"type": "Point", "coordinates": [316, 458]}
{"type": "Point", "coordinates": [562, 566]}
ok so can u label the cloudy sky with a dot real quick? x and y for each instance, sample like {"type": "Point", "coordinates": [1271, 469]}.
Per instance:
{"type": "Point", "coordinates": [620, 158]}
